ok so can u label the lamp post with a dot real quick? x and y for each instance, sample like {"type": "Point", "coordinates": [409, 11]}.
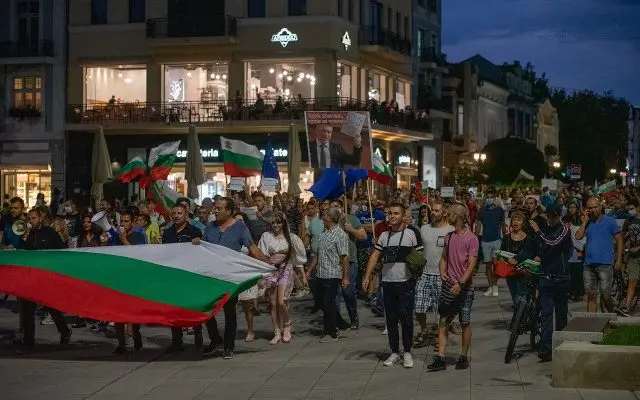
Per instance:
{"type": "Point", "coordinates": [480, 157]}
{"type": "Point", "coordinates": [613, 171]}
{"type": "Point", "coordinates": [556, 165]}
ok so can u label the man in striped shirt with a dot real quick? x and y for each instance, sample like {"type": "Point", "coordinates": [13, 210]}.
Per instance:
{"type": "Point", "coordinates": [332, 264]}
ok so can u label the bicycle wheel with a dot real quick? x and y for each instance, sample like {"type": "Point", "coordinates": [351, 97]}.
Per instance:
{"type": "Point", "coordinates": [535, 328]}
{"type": "Point", "coordinates": [516, 325]}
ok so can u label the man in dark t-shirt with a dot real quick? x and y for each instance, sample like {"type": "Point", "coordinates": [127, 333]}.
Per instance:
{"type": "Point", "coordinates": [10, 240]}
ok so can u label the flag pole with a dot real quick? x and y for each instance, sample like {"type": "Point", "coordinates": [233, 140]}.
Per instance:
{"type": "Point", "coordinates": [373, 225]}
{"type": "Point", "coordinates": [344, 189]}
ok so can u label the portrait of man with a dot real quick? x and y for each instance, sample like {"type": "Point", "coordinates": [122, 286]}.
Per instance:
{"type": "Point", "coordinates": [326, 154]}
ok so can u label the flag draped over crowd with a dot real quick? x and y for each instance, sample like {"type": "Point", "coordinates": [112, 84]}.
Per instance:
{"type": "Point", "coordinates": [171, 284]}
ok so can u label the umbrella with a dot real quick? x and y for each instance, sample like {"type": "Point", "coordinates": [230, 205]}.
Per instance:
{"type": "Point", "coordinates": [294, 162]}
{"type": "Point", "coordinates": [100, 164]}
{"type": "Point", "coordinates": [194, 170]}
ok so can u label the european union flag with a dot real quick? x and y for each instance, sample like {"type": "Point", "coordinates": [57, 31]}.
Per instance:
{"type": "Point", "coordinates": [329, 185]}
{"type": "Point", "coordinates": [269, 164]}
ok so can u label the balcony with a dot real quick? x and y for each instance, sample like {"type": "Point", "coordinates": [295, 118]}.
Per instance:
{"type": "Point", "coordinates": [20, 52]}
{"type": "Point", "coordinates": [433, 59]}
{"type": "Point", "coordinates": [373, 40]}
{"type": "Point", "coordinates": [216, 29]}
{"type": "Point", "coordinates": [233, 112]}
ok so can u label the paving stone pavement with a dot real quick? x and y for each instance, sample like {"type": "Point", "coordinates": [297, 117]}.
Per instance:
{"type": "Point", "coordinates": [304, 369]}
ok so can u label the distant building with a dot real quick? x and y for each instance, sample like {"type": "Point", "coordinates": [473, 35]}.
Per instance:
{"type": "Point", "coordinates": [547, 127]}
{"type": "Point", "coordinates": [633, 158]}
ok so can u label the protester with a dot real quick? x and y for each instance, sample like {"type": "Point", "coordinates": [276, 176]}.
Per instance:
{"type": "Point", "coordinates": [490, 222]}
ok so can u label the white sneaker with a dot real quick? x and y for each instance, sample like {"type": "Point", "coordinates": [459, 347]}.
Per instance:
{"type": "Point", "coordinates": [495, 291]}
{"type": "Point", "coordinates": [489, 292]}
{"type": "Point", "coordinates": [47, 320]}
{"type": "Point", "coordinates": [408, 360]}
{"type": "Point", "coordinates": [385, 331]}
{"type": "Point", "coordinates": [393, 358]}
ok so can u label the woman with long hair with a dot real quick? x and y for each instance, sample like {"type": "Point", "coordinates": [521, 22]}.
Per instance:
{"type": "Point", "coordinates": [514, 242]}
{"type": "Point", "coordinates": [285, 250]}
{"type": "Point", "coordinates": [423, 215]}
{"type": "Point", "coordinates": [91, 233]}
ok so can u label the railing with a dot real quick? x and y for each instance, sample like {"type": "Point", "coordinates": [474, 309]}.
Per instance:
{"type": "Point", "coordinates": [216, 26]}
{"type": "Point", "coordinates": [371, 35]}
{"type": "Point", "coordinates": [431, 55]}
{"type": "Point", "coordinates": [190, 112]}
{"type": "Point", "coordinates": [42, 48]}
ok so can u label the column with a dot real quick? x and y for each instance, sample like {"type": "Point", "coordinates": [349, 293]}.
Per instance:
{"type": "Point", "coordinates": [76, 82]}
{"type": "Point", "coordinates": [237, 79]}
{"type": "Point", "coordinates": [363, 84]}
{"type": "Point", "coordinates": [326, 76]}
{"type": "Point", "coordinates": [154, 82]}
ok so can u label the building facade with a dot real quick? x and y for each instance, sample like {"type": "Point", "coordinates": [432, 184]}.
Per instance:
{"type": "Point", "coordinates": [32, 97]}
{"type": "Point", "coordinates": [162, 65]}
{"type": "Point", "coordinates": [633, 158]}
{"type": "Point", "coordinates": [547, 128]}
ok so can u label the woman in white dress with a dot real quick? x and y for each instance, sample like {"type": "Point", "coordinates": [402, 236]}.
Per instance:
{"type": "Point", "coordinates": [285, 250]}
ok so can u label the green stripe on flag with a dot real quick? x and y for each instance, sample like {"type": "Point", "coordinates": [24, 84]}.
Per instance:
{"type": "Point", "coordinates": [242, 161]}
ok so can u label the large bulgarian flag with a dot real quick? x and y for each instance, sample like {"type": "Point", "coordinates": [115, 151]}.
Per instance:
{"type": "Point", "coordinates": [240, 159]}
{"type": "Point", "coordinates": [178, 285]}
{"type": "Point", "coordinates": [161, 160]}
{"type": "Point", "coordinates": [381, 171]}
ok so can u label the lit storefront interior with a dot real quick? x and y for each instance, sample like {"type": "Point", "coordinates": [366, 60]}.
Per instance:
{"type": "Point", "coordinates": [280, 79]}
{"type": "Point", "coordinates": [27, 183]}
{"type": "Point", "coordinates": [200, 83]}
{"type": "Point", "coordinates": [406, 169]}
{"type": "Point", "coordinates": [124, 83]}
{"type": "Point", "coordinates": [345, 80]}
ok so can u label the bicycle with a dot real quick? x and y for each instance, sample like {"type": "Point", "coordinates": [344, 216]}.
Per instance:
{"type": "Point", "coordinates": [526, 317]}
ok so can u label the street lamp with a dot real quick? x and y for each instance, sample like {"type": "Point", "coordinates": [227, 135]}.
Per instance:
{"type": "Point", "coordinates": [556, 164]}
{"type": "Point", "coordinates": [479, 157]}
{"type": "Point", "coordinates": [613, 171]}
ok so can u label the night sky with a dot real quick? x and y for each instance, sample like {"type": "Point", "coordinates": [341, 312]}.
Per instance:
{"type": "Point", "coordinates": [580, 44]}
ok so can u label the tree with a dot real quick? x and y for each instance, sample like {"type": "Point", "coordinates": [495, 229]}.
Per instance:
{"type": "Point", "coordinates": [506, 157]}
{"type": "Point", "coordinates": [550, 151]}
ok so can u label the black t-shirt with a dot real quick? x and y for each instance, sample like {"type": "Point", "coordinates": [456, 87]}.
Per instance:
{"type": "Point", "coordinates": [186, 235]}
{"type": "Point", "coordinates": [136, 238]}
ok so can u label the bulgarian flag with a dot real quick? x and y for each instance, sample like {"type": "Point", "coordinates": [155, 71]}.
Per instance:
{"type": "Point", "coordinates": [132, 170]}
{"type": "Point", "coordinates": [179, 285]}
{"type": "Point", "coordinates": [161, 160]}
{"type": "Point", "coordinates": [607, 188]}
{"type": "Point", "coordinates": [381, 171]}
{"type": "Point", "coordinates": [164, 196]}
{"type": "Point", "coordinates": [240, 159]}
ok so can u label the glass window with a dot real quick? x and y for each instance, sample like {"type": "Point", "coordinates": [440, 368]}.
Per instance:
{"type": "Point", "coordinates": [28, 22]}
{"type": "Point", "coordinates": [27, 185]}
{"type": "Point", "coordinates": [297, 7]}
{"type": "Point", "coordinates": [200, 83]}
{"type": "Point", "coordinates": [350, 10]}
{"type": "Point", "coordinates": [344, 81]}
{"type": "Point", "coordinates": [285, 79]}
{"type": "Point", "coordinates": [374, 86]}
{"type": "Point", "coordinates": [122, 83]}
{"type": "Point", "coordinates": [99, 12]}
{"type": "Point", "coordinates": [27, 92]}
{"type": "Point", "coordinates": [136, 11]}
{"type": "Point", "coordinates": [256, 8]}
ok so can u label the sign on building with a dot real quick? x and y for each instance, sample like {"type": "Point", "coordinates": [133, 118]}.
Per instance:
{"type": "Point", "coordinates": [575, 171]}
{"type": "Point", "coordinates": [284, 37]}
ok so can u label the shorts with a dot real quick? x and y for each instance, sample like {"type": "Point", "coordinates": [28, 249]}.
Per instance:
{"type": "Point", "coordinates": [489, 250]}
{"type": "Point", "coordinates": [427, 293]}
{"type": "Point", "coordinates": [633, 268]}
{"type": "Point", "coordinates": [464, 309]}
{"type": "Point", "coordinates": [598, 277]}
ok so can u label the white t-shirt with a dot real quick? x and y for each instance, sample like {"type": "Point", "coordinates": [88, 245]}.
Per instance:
{"type": "Point", "coordinates": [396, 271]}
{"type": "Point", "coordinates": [433, 242]}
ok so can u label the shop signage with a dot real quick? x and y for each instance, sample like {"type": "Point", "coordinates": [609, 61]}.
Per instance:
{"type": "Point", "coordinates": [212, 153]}
{"type": "Point", "coordinates": [346, 40]}
{"type": "Point", "coordinates": [404, 160]}
{"type": "Point", "coordinates": [176, 91]}
{"type": "Point", "coordinates": [284, 37]}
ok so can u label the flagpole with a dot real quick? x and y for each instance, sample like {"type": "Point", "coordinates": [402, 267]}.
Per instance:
{"type": "Point", "coordinates": [344, 189]}
{"type": "Point", "coordinates": [373, 225]}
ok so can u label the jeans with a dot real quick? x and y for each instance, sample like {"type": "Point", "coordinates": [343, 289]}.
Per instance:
{"type": "Point", "coordinates": [349, 294]}
{"type": "Point", "coordinates": [230, 327]}
{"type": "Point", "coordinates": [329, 290]}
{"type": "Point", "coordinates": [516, 285]}
{"type": "Point", "coordinates": [554, 296]}
{"type": "Point", "coordinates": [28, 321]}
{"type": "Point", "coordinates": [398, 308]}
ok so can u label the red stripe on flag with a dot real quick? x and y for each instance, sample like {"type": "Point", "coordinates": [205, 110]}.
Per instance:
{"type": "Point", "coordinates": [131, 175]}
{"type": "Point", "coordinates": [384, 179]}
{"type": "Point", "coordinates": [90, 300]}
{"type": "Point", "coordinates": [235, 171]}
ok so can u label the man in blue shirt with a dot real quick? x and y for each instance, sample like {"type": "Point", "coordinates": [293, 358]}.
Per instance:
{"type": "Point", "coordinates": [491, 219]}
{"type": "Point", "coordinates": [600, 231]}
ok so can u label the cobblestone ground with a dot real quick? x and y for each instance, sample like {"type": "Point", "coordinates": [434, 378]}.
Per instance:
{"type": "Point", "coordinates": [304, 369]}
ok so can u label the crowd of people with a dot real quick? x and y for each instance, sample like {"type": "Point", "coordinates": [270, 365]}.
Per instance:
{"type": "Point", "coordinates": [413, 256]}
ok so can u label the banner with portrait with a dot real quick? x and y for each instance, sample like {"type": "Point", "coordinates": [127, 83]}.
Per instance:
{"type": "Point", "coordinates": [339, 139]}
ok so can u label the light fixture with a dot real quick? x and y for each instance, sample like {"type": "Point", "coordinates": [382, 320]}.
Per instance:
{"type": "Point", "coordinates": [120, 75]}
{"type": "Point", "coordinates": [307, 172]}
{"type": "Point", "coordinates": [189, 74]}
{"type": "Point", "coordinates": [313, 78]}
{"type": "Point", "coordinates": [301, 75]}
{"type": "Point", "coordinates": [253, 86]}
{"type": "Point", "coordinates": [127, 80]}
{"type": "Point", "coordinates": [305, 180]}
{"type": "Point", "coordinates": [289, 78]}
{"type": "Point", "coordinates": [212, 76]}
{"type": "Point", "coordinates": [271, 70]}
{"type": "Point", "coordinates": [299, 79]}
{"type": "Point", "coordinates": [285, 72]}
{"type": "Point", "coordinates": [308, 76]}
{"type": "Point", "coordinates": [556, 164]}
{"type": "Point", "coordinates": [287, 91]}
{"type": "Point", "coordinates": [217, 76]}
{"type": "Point", "coordinates": [483, 157]}
{"type": "Point", "coordinates": [224, 76]}
{"type": "Point", "coordinates": [280, 76]}
{"type": "Point", "coordinates": [613, 170]}
{"type": "Point", "coordinates": [312, 83]}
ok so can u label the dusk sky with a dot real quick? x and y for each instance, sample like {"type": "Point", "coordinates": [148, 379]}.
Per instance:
{"type": "Point", "coordinates": [580, 44]}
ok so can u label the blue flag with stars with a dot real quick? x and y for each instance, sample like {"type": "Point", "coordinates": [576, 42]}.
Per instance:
{"type": "Point", "coordinates": [269, 164]}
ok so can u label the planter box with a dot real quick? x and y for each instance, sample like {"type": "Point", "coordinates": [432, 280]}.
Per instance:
{"type": "Point", "coordinates": [594, 366]}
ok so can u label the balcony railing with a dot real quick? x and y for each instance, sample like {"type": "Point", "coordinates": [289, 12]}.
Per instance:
{"type": "Point", "coordinates": [374, 36]}
{"type": "Point", "coordinates": [216, 26]}
{"type": "Point", "coordinates": [42, 48]}
{"type": "Point", "coordinates": [191, 112]}
{"type": "Point", "coordinates": [431, 55]}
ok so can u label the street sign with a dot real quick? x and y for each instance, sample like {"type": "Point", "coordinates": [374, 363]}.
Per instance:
{"type": "Point", "coordinates": [575, 172]}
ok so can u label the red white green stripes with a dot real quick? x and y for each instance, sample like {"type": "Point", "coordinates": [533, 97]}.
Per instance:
{"type": "Point", "coordinates": [381, 171]}
{"type": "Point", "coordinates": [161, 159]}
{"type": "Point", "coordinates": [240, 159]}
{"type": "Point", "coordinates": [171, 284]}
{"type": "Point", "coordinates": [132, 170]}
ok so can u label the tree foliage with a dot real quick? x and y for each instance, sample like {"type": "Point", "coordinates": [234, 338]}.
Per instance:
{"type": "Point", "coordinates": [506, 157]}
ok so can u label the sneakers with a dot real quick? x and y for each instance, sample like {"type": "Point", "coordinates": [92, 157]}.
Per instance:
{"type": "Point", "coordinates": [407, 360]}
{"type": "Point", "coordinates": [227, 355]}
{"type": "Point", "coordinates": [47, 320]}
{"type": "Point", "coordinates": [385, 331]}
{"type": "Point", "coordinates": [623, 312]}
{"type": "Point", "coordinates": [463, 363]}
{"type": "Point", "coordinates": [495, 291]}
{"type": "Point", "coordinates": [438, 364]}
{"type": "Point", "coordinates": [393, 358]}
{"type": "Point", "coordinates": [213, 346]}
{"type": "Point", "coordinates": [329, 339]}
{"type": "Point", "coordinates": [355, 325]}
{"type": "Point", "coordinates": [489, 292]}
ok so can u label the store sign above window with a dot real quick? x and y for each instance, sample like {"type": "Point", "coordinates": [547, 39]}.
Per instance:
{"type": "Point", "coordinates": [214, 154]}
{"type": "Point", "coordinates": [346, 40]}
{"type": "Point", "coordinates": [284, 37]}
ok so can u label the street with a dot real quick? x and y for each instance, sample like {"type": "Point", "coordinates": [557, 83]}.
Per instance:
{"type": "Point", "coordinates": [303, 369]}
